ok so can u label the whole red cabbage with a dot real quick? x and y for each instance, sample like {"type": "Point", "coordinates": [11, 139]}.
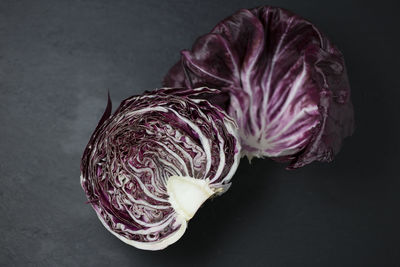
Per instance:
{"type": "Point", "coordinates": [282, 80]}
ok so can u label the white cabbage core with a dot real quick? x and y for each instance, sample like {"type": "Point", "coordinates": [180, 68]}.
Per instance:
{"type": "Point", "coordinates": [187, 194]}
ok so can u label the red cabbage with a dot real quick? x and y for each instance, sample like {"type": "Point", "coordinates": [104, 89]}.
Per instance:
{"type": "Point", "coordinates": [280, 78]}
{"type": "Point", "coordinates": [148, 167]}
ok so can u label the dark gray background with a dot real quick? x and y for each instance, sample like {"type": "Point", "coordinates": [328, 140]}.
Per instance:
{"type": "Point", "coordinates": [57, 60]}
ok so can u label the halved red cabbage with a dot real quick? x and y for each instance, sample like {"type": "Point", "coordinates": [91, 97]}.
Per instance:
{"type": "Point", "coordinates": [283, 81]}
{"type": "Point", "coordinates": [148, 167]}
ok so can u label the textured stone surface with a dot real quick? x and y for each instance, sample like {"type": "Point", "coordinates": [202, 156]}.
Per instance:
{"type": "Point", "coordinates": [59, 58]}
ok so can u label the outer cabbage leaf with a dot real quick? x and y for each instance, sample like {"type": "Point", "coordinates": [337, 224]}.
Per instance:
{"type": "Point", "coordinates": [133, 154]}
{"type": "Point", "coordinates": [282, 80]}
